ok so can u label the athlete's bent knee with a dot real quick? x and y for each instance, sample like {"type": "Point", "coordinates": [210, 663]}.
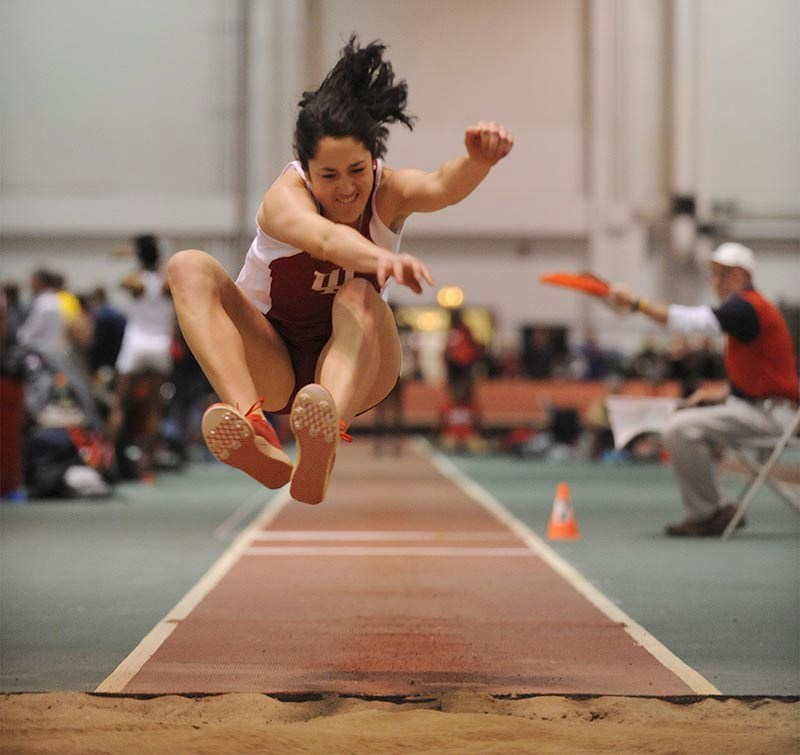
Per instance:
{"type": "Point", "coordinates": [182, 264]}
{"type": "Point", "coordinates": [186, 268]}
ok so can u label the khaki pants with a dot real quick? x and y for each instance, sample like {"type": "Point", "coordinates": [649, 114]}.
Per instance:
{"type": "Point", "coordinates": [692, 433]}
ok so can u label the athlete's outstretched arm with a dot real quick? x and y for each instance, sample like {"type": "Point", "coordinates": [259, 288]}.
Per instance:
{"type": "Point", "coordinates": [289, 214]}
{"type": "Point", "coordinates": [487, 143]}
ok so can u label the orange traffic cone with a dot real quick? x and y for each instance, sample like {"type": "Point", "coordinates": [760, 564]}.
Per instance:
{"type": "Point", "coordinates": [563, 525]}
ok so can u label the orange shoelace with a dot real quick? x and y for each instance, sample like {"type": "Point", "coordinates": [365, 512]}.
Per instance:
{"type": "Point", "coordinates": [343, 434]}
{"type": "Point", "coordinates": [255, 407]}
{"type": "Point", "coordinates": [261, 424]}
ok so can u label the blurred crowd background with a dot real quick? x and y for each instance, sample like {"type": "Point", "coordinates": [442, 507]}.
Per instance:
{"type": "Point", "coordinates": [75, 423]}
{"type": "Point", "coordinates": [646, 133]}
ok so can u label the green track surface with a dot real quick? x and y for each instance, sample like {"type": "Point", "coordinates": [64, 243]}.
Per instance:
{"type": "Point", "coordinates": [731, 610]}
{"type": "Point", "coordinates": [81, 583]}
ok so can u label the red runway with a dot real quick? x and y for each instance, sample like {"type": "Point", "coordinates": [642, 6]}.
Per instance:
{"type": "Point", "coordinates": [399, 584]}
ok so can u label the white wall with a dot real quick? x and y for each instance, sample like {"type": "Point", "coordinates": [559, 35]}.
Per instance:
{"type": "Point", "coordinates": [94, 86]}
{"type": "Point", "coordinates": [515, 61]}
{"type": "Point", "coordinates": [118, 116]}
{"type": "Point", "coordinates": [751, 69]}
{"type": "Point", "coordinates": [115, 113]}
{"type": "Point", "coordinates": [87, 262]}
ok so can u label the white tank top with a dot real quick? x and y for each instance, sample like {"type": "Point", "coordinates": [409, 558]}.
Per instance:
{"type": "Point", "coordinates": [151, 313]}
{"type": "Point", "coordinates": [278, 276]}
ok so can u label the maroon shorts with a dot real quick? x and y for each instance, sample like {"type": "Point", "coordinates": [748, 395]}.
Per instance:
{"type": "Point", "coordinates": [304, 353]}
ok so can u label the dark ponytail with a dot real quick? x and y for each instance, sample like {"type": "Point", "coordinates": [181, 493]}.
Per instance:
{"type": "Point", "coordinates": [357, 98]}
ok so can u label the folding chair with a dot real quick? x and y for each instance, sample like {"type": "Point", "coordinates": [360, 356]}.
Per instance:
{"type": "Point", "coordinates": [761, 472]}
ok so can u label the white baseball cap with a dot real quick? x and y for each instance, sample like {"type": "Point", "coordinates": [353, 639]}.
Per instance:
{"type": "Point", "coordinates": [733, 254]}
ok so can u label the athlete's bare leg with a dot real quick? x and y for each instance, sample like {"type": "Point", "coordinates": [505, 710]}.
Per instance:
{"type": "Point", "coordinates": [357, 368]}
{"type": "Point", "coordinates": [239, 351]}
{"type": "Point", "coordinates": [360, 363]}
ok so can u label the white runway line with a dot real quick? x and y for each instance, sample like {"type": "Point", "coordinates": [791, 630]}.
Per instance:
{"type": "Point", "coordinates": [122, 675]}
{"type": "Point", "coordinates": [694, 680]}
{"type": "Point", "coordinates": [401, 550]}
{"type": "Point", "coordinates": [367, 535]}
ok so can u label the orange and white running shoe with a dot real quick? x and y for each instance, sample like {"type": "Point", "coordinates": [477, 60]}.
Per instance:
{"type": "Point", "coordinates": [247, 442]}
{"type": "Point", "coordinates": [316, 426]}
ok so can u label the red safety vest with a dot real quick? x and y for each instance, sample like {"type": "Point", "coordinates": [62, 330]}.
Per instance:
{"type": "Point", "coordinates": [765, 367]}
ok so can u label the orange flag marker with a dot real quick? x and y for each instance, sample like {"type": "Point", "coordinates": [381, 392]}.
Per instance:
{"type": "Point", "coordinates": [563, 525]}
{"type": "Point", "coordinates": [588, 283]}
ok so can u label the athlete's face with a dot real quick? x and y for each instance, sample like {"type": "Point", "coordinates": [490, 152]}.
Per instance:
{"type": "Point", "coordinates": [728, 280]}
{"type": "Point", "coordinates": [341, 176]}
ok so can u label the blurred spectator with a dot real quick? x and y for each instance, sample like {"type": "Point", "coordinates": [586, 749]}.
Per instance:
{"type": "Point", "coordinates": [678, 364]}
{"type": "Point", "coordinates": [193, 393]}
{"type": "Point", "coordinates": [565, 430]}
{"type": "Point", "coordinates": [65, 453]}
{"type": "Point", "coordinates": [44, 327]}
{"type": "Point", "coordinates": [69, 303]}
{"type": "Point", "coordinates": [11, 409]}
{"type": "Point", "coordinates": [650, 363]}
{"type": "Point", "coordinates": [593, 361]}
{"type": "Point", "coordinates": [77, 321]}
{"type": "Point", "coordinates": [145, 355]}
{"type": "Point", "coordinates": [3, 316]}
{"type": "Point", "coordinates": [597, 422]}
{"type": "Point", "coordinates": [691, 360]}
{"type": "Point", "coordinates": [14, 311]}
{"type": "Point", "coordinates": [704, 361]}
{"type": "Point", "coordinates": [389, 425]}
{"type": "Point", "coordinates": [539, 354]}
{"type": "Point", "coordinates": [411, 368]}
{"type": "Point", "coordinates": [460, 421]}
{"type": "Point", "coordinates": [108, 329]}
{"type": "Point", "coordinates": [509, 363]}
{"type": "Point", "coordinates": [462, 351]}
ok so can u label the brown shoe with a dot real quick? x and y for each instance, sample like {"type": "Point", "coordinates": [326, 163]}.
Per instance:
{"type": "Point", "coordinates": [709, 527]}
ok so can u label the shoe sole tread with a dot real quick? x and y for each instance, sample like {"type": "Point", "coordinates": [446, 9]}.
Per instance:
{"type": "Point", "coordinates": [315, 424]}
{"type": "Point", "coordinates": [232, 440]}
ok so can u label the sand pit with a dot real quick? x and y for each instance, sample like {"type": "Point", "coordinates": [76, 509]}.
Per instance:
{"type": "Point", "coordinates": [458, 722]}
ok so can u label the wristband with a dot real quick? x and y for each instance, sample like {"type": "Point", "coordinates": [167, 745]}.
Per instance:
{"type": "Point", "coordinates": [639, 304]}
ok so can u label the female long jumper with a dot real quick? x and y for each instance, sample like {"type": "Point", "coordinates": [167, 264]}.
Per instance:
{"type": "Point", "coordinates": [304, 329]}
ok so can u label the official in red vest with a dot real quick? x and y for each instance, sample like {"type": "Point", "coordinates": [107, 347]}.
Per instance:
{"type": "Point", "coordinates": [760, 396]}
